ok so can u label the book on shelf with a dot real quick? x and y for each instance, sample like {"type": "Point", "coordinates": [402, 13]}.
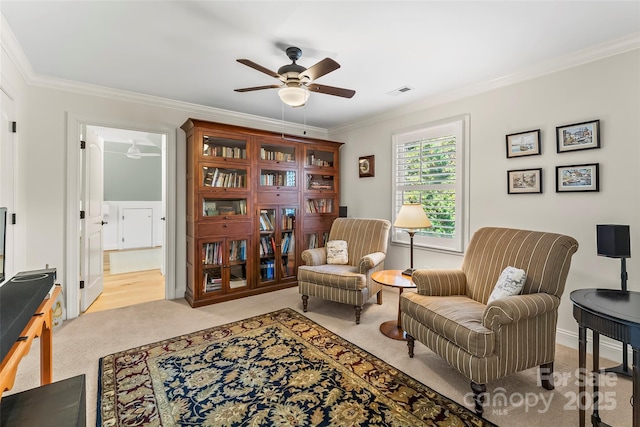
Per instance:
{"type": "Point", "coordinates": [319, 205]}
{"type": "Point", "coordinates": [313, 241]}
{"type": "Point", "coordinates": [266, 223]}
{"type": "Point", "coordinates": [267, 270]}
{"type": "Point", "coordinates": [237, 282]}
{"type": "Point", "coordinates": [212, 253]}
{"type": "Point", "coordinates": [237, 251]}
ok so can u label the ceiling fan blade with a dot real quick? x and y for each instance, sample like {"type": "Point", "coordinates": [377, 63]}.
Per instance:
{"type": "Point", "coordinates": [249, 89]}
{"type": "Point", "coordinates": [259, 67]}
{"type": "Point", "coordinates": [318, 70]}
{"type": "Point", "coordinates": [331, 90]}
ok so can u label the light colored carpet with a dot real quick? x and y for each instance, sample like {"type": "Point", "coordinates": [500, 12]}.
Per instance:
{"type": "Point", "coordinates": [78, 344]}
{"type": "Point", "coordinates": [135, 260]}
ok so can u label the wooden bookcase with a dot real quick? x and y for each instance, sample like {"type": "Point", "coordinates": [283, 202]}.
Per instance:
{"type": "Point", "coordinates": [255, 200]}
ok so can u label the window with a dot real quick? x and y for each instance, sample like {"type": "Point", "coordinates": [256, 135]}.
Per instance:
{"type": "Point", "coordinates": [429, 168]}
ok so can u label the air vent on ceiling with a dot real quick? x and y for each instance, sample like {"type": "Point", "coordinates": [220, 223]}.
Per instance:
{"type": "Point", "coordinates": [400, 90]}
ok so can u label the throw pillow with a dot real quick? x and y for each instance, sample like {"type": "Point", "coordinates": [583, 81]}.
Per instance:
{"type": "Point", "coordinates": [509, 283]}
{"type": "Point", "coordinates": [337, 252]}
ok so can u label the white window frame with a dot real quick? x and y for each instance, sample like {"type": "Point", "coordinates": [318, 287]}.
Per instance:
{"type": "Point", "coordinates": [458, 126]}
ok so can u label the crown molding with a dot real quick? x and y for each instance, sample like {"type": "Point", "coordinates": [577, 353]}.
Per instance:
{"type": "Point", "coordinates": [15, 53]}
{"type": "Point", "coordinates": [196, 110]}
{"type": "Point", "coordinates": [594, 53]}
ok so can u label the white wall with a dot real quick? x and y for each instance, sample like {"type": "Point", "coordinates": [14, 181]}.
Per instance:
{"type": "Point", "coordinates": [607, 89]}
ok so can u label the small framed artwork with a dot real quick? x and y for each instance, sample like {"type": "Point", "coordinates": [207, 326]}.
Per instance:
{"type": "Point", "coordinates": [367, 166]}
{"type": "Point", "coordinates": [579, 136]}
{"type": "Point", "coordinates": [524, 181]}
{"type": "Point", "coordinates": [523, 144]}
{"type": "Point", "coordinates": [577, 178]}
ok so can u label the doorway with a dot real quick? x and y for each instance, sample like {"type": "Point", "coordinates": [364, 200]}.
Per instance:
{"type": "Point", "coordinates": [132, 208]}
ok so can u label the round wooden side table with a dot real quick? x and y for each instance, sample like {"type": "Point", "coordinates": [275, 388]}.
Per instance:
{"type": "Point", "coordinates": [395, 279]}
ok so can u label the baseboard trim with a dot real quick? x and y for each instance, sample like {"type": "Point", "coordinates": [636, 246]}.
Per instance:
{"type": "Point", "coordinates": [609, 349]}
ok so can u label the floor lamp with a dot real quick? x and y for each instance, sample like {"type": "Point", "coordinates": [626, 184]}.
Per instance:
{"type": "Point", "coordinates": [411, 217]}
{"type": "Point", "coordinates": [613, 241]}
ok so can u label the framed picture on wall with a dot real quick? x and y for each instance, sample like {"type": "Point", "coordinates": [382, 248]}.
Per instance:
{"type": "Point", "coordinates": [577, 178]}
{"type": "Point", "coordinates": [523, 144]}
{"type": "Point", "coordinates": [367, 166]}
{"type": "Point", "coordinates": [579, 136]}
{"type": "Point", "coordinates": [524, 181]}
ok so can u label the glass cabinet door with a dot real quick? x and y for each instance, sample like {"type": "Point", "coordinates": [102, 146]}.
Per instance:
{"type": "Point", "coordinates": [288, 242]}
{"type": "Point", "coordinates": [278, 153]}
{"type": "Point", "coordinates": [212, 266]}
{"type": "Point", "coordinates": [267, 245]}
{"type": "Point", "coordinates": [319, 158]}
{"type": "Point", "coordinates": [316, 239]}
{"type": "Point", "coordinates": [223, 208]}
{"type": "Point", "coordinates": [214, 146]}
{"type": "Point", "coordinates": [237, 264]}
{"type": "Point", "coordinates": [224, 177]}
{"type": "Point", "coordinates": [224, 265]}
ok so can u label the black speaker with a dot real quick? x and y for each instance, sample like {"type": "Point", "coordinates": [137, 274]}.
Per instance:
{"type": "Point", "coordinates": [342, 212]}
{"type": "Point", "coordinates": [613, 240]}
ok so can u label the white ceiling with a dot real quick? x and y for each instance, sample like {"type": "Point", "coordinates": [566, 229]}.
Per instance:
{"type": "Point", "coordinates": [187, 50]}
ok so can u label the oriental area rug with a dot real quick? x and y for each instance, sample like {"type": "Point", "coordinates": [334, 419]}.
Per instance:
{"type": "Point", "coordinates": [277, 369]}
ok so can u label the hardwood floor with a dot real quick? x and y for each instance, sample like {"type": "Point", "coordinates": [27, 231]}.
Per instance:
{"type": "Point", "coordinates": [121, 290]}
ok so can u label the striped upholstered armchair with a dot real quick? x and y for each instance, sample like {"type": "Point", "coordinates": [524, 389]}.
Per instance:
{"type": "Point", "coordinates": [451, 315]}
{"type": "Point", "coordinates": [348, 283]}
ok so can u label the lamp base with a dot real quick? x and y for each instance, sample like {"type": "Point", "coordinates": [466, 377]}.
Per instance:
{"type": "Point", "coordinates": [408, 272]}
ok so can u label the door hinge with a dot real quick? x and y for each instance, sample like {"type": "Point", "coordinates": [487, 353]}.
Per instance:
{"type": "Point", "coordinates": [14, 127]}
{"type": "Point", "coordinates": [83, 145]}
{"type": "Point", "coordinates": [81, 284]}
{"type": "Point", "coordinates": [13, 219]}
{"type": "Point", "coordinates": [81, 214]}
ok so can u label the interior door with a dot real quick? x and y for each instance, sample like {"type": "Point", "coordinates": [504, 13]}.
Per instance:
{"type": "Point", "coordinates": [91, 262]}
{"type": "Point", "coordinates": [7, 160]}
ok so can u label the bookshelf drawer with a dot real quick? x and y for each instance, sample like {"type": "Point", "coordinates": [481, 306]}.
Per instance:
{"type": "Point", "coordinates": [225, 229]}
{"type": "Point", "coordinates": [284, 197]}
{"type": "Point", "coordinates": [319, 223]}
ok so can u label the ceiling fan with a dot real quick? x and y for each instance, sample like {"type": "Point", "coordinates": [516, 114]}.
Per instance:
{"type": "Point", "coordinates": [298, 81]}
{"type": "Point", "coordinates": [134, 152]}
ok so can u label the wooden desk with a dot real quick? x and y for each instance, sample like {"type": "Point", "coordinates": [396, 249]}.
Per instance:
{"type": "Point", "coordinates": [395, 279]}
{"type": "Point", "coordinates": [39, 325]}
{"type": "Point", "coordinates": [615, 314]}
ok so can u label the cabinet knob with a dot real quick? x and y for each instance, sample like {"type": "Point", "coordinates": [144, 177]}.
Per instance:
{"type": "Point", "coordinates": [225, 225]}
{"type": "Point", "coordinates": [278, 194]}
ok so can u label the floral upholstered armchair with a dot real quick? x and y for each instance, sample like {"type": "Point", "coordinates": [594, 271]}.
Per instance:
{"type": "Point", "coordinates": [346, 277]}
{"type": "Point", "coordinates": [454, 312]}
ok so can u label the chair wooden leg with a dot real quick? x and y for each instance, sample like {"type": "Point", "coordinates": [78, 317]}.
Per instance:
{"type": "Point", "coordinates": [358, 310]}
{"type": "Point", "coordinates": [305, 301]}
{"type": "Point", "coordinates": [479, 391]}
{"type": "Point", "coordinates": [380, 297]}
{"type": "Point", "coordinates": [546, 376]}
{"type": "Point", "coordinates": [410, 343]}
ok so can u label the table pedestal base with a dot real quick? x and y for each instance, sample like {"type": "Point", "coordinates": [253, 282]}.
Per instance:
{"type": "Point", "coordinates": [392, 330]}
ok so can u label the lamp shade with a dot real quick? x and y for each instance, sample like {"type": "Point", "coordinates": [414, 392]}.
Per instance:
{"type": "Point", "coordinates": [613, 240]}
{"type": "Point", "coordinates": [294, 96]}
{"type": "Point", "coordinates": [412, 216]}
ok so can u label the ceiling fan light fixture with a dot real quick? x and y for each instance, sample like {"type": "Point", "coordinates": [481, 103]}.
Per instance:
{"type": "Point", "coordinates": [294, 96]}
{"type": "Point", "coordinates": [133, 152]}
